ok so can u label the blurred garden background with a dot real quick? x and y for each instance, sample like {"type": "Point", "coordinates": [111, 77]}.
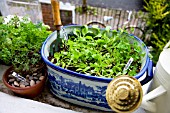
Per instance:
{"type": "Point", "coordinates": [147, 19]}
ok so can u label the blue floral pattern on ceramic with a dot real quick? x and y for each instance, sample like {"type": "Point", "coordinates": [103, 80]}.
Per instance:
{"type": "Point", "coordinates": [77, 90]}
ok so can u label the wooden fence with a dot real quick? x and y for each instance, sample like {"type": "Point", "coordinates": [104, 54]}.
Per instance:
{"type": "Point", "coordinates": [113, 17]}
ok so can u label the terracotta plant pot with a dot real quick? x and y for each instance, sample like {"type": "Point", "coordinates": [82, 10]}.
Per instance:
{"type": "Point", "coordinates": [27, 92]}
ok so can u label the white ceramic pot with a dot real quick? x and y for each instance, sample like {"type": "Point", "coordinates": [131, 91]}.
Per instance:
{"type": "Point", "coordinates": [81, 89]}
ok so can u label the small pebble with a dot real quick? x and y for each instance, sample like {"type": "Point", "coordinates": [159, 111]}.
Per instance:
{"type": "Point", "coordinates": [16, 83]}
{"type": "Point", "coordinates": [30, 77]}
{"type": "Point", "coordinates": [34, 74]}
{"type": "Point", "coordinates": [18, 80]}
{"type": "Point", "coordinates": [35, 78]}
{"type": "Point", "coordinates": [21, 82]}
{"type": "Point", "coordinates": [27, 86]}
{"type": "Point", "coordinates": [11, 80]}
{"type": "Point", "coordinates": [10, 76]}
{"type": "Point", "coordinates": [40, 74]}
{"type": "Point", "coordinates": [22, 86]}
{"type": "Point", "coordinates": [41, 78]}
{"type": "Point", "coordinates": [37, 81]}
{"type": "Point", "coordinates": [34, 69]}
{"type": "Point", "coordinates": [26, 83]}
{"type": "Point", "coordinates": [27, 76]}
{"type": "Point", "coordinates": [11, 71]}
{"type": "Point", "coordinates": [12, 85]}
{"type": "Point", "coordinates": [32, 82]}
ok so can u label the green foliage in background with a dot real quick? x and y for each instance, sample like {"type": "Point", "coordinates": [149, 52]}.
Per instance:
{"type": "Point", "coordinates": [20, 42]}
{"type": "Point", "coordinates": [158, 23]}
{"type": "Point", "coordinates": [89, 10]}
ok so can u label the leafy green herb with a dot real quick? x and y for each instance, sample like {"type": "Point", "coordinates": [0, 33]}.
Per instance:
{"type": "Point", "coordinates": [157, 25]}
{"type": "Point", "coordinates": [20, 43]}
{"type": "Point", "coordinates": [98, 52]}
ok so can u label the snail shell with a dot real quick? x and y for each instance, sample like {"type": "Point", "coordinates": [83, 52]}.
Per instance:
{"type": "Point", "coordinates": [124, 94]}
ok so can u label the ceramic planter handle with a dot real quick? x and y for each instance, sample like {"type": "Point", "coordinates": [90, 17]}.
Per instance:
{"type": "Point", "coordinates": [149, 73]}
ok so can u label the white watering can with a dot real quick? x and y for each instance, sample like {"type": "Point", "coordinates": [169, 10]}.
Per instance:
{"type": "Point", "coordinates": [160, 86]}
{"type": "Point", "coordinates": [124, 90]}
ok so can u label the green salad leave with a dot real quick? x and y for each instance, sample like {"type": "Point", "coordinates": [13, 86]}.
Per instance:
{"type": "Point", "coordinates": [97, 52]}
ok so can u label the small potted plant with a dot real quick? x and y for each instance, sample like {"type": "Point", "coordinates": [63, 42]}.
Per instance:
{"type": "Point", "coordinates": [21, 41]}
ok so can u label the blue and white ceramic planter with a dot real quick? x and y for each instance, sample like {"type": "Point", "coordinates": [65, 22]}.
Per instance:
{"type": "Point", "coordinates": [81, 89]}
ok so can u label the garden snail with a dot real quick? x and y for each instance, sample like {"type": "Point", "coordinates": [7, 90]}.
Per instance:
{"type": "Point", "coordinates": [124, 94]}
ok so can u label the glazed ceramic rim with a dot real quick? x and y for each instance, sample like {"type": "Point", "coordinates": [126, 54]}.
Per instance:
{"type": "Point", "coordinates": [80, 75]}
